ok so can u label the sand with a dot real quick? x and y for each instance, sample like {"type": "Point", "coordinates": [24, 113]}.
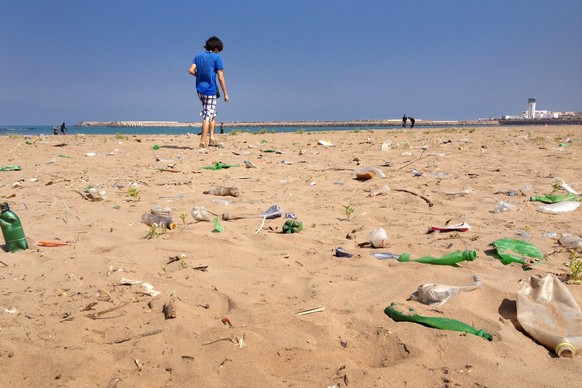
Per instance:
{"type": "Point", "coordinates": [67, 320]}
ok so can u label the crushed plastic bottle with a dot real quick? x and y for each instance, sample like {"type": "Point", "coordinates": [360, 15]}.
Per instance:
{"type": "Point", "coordinates": [437, 294]}
{"type": "Point", "coordinates": [503, 206]}
{"type": "Point", "coordinates": [548, 312]}
{"type": "Point", "coordinates": [571, 241]}
{"type": "Point", "coordinates": [223, 191]}
{"type": "Point", "coordinates": [199, 213]}
{"type": "Point", "coordinates": [379, 191]}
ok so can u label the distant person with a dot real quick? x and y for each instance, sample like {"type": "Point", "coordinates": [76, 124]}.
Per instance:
{"type": "Point", "coordinates": [411, 121]}
{"type": "Point", "coordinates": [206, 66]}
{"type": "Point", "coordinates": [221, 128]}
{"type": "Point", "coordinates": [63, 129]}
{"type": "Point", "coordinates": [404, 118]}
{"type": "Point", "coordinates": [55, 130]}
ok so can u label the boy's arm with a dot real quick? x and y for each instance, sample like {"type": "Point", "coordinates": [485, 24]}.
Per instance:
{"type": "Point", "coordinates": [222, 82]}
{"type": "Point", "coordinates": [192, 69]}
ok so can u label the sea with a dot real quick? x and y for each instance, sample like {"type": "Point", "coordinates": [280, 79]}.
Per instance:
{"type": "Point", "coordinates": [39, 130]}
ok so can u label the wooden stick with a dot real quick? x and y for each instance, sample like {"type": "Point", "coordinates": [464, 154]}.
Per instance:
{"type": "Point", "coordinates": [428, 201]}
{"type": "Point", "coordinates": [147, 334]}
{"type": "Point", "coordinates": [311, 311]}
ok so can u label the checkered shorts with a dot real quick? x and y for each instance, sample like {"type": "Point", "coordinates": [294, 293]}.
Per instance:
{"type": "Point", "coordinates": [208, 106]}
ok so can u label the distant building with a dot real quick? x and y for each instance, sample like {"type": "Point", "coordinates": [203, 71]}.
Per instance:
{"type": "Point", "coordinates": [534, 116]}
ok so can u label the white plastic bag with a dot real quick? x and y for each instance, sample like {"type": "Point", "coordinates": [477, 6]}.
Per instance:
{"type": "Point", "coordinates": [547, 311]}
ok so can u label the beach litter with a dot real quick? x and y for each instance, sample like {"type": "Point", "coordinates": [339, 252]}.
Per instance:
{"type": "Point", "coordinates": [559, 207]}
{"type": "Point", "coordinates": [517, 251]}
{"type": "Point", "coordinates": [220, 166]}
{"type": "Point", "coordinates": [452, 258]}
{"type": "Point", "coordinates": [51, 244]}
{"type": "Point", "coordinates": [555, 198]}
{"type": "Point", "coordinates": [271, 213]}
{"type": "Point", "coordinates": [437, 294]}
{"type": "Point", "coordinates": [92, 194]}
{"type": "Point", "coordinates": [148, 289]}
{"type": "Point", "coordinates": [223, 191]}
{"type": "Point", "coordinates": [341, 252]}
{"type": "Point", "coordinates": [200, 213]}
{"type": "Point", "coordinates": [384, 255]}
{"type": "Point", "coordinates": [218, 228]}
{"type": "Point", "coordinates": [463, 227]}
{"type": "Point", "coordinates": [368, 172]}
{"type": "Point", "coordinates": [325, 143]}
{"type": "Point", "coordinates": [548, 312]}
{"type": "Point", "coordinates": [434, 322]}
{"type": "Point", "coordinates": [10, 168]}
{"type": "Point", "coordinates": [571, 241]}
{"type": "Point", "coordinates": [292, 226]}
{"type": "Point", "coordinates": [379, 191]}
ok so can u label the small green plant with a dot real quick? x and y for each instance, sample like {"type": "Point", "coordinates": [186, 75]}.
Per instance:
{"type": "Point", "coordinates": [575, 267]}
{"type": "Point", "coordinates": [349, 209]}
{"type": "Point", "coordinates": [133, 192]}
{"type": "Point", "coordinates": [300, 131]}
{"type": "Point", "coordinates": [182, 262]}
{"type": "Point", "coordinates": [183, 218]}
{"type": "Point", "coordinates": [155, 231]}
{"type": "Point", "coordinates": [556, 186]}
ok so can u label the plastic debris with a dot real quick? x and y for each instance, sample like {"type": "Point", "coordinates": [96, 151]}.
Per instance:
{"type": "Point", "coordinates": [435, 322]}
{"type": "Point", "coordinates": [452, 258]}
{"type": "Point", "coordinates": [437, 294]}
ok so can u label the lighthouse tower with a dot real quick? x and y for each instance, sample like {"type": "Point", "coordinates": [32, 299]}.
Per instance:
{"type": "Point", "coordinates": [531, 108]}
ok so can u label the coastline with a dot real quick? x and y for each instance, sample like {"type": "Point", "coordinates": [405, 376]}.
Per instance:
{"type": "Point", "coordinates": [354, 123]}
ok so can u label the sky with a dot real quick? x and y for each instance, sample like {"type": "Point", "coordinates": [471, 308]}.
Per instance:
{"type": "Point", "coordinates": [117, 60]}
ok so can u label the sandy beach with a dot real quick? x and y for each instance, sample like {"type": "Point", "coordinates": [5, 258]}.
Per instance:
{"type": "Point", "coordinates": [80, 315]}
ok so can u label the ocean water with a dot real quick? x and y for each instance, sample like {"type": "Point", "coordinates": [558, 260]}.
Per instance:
{"type": "Point", "coordinates": [36, 130]}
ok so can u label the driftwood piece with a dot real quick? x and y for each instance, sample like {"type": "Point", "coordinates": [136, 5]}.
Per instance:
{"type": "Point", "coordinates": [169, 309]}
{"type": "Point", "coordinates": [428, 201]}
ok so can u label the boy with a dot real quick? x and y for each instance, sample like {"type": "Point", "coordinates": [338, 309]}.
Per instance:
{"type": "Point", "coordinates": [206, 66]}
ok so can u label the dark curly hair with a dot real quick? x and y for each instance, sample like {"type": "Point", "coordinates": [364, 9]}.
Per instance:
{"type": "Point", "coordinates": [213, 43]}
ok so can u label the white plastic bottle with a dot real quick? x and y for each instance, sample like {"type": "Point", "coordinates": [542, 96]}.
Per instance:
{"type": "Point", "coordinates": [379, 238]}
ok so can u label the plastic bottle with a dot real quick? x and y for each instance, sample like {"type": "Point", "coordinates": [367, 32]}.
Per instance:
{"type": "Point", "coordinates": [548, 312]}
{"type": "Point", "coordinates": [554, 198]}
{"type": "Point", "coordinates": [379, 191]}
{"type": "Point", "coordinates": [159, 220]}
{"type": "Point", "coordinates": [379, 238]}
{"type": "Point", "coordinates": [199, 213]}
{"type": "Point", "coordinates": [503, 206]}
{"type": "Point", "coordinates": [449, 259]}
{"type": "Point", "coordinates": [222, 191]}
{"type": "Point", "coordinates": [12, 229]}
{"type": "Point", "coordinates": [437, 294]}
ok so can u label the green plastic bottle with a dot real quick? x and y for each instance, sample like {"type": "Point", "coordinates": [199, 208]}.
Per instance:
{"type": "Point", "coordinates": [553, 198]}
{"type": "Point", "coordinates": [452, 258]}
{"type": "Point", "coordinates": [12, 229]}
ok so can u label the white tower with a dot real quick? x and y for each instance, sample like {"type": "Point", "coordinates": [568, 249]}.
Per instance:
{"type": "Point", "coordinates": [531, 108]}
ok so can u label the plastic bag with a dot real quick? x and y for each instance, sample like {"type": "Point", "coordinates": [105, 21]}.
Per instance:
{"type": "Point", "coordinates": [549, 313]}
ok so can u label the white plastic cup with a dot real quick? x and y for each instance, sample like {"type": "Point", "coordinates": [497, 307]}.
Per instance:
{"type": "Point", "coordinates": [379, 238]}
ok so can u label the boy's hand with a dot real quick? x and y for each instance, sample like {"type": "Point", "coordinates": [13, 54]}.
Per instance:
{"type": "Point", "coordinates": [226, 97]}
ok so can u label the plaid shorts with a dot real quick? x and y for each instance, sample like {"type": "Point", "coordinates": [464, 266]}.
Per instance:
{"type": "Point", "coordinates": [208, 106]}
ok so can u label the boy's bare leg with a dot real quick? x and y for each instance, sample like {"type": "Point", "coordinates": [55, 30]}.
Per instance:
{"type": "Point", "coordinates": [205, 125]}
{"type": "Point", "coordinates": [211, 129]}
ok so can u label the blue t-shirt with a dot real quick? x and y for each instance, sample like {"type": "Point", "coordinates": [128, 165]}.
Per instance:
{"type": "Point", "coordinates": [207, 64]}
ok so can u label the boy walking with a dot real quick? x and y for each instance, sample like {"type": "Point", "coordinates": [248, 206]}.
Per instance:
{"type": "Point", "coordinates": [206, 67]}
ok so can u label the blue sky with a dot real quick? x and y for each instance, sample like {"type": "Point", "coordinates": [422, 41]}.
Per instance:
{"type": "Point", "coordinates": [82, 60]}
